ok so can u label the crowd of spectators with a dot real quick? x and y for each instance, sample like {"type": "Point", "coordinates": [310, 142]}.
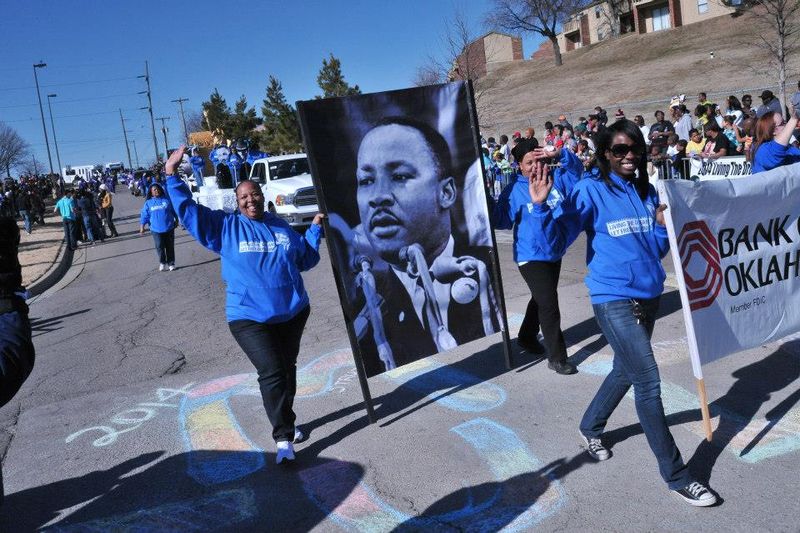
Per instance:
{"type": "Point", "coordinates": [707, 130]}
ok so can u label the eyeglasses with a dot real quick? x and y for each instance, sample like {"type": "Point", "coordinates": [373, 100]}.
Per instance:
{"type": "Point", "coordinates": [621, 150]}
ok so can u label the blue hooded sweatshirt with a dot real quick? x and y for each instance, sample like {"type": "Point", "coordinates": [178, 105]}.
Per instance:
{"type": "Point", "coordinates": [515, 209]}
{"type": "Point", "coordinates": [158, 213]}
{"type": "Point", "coordinates": [624, 243]}
{"type": "Point", "coordinates": [261, 259]}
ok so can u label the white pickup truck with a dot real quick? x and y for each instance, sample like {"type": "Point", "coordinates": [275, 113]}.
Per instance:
{"type": "Point", "coordinates": [287, 186]}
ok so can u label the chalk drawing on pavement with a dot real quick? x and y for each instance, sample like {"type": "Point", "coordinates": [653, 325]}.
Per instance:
{"type": "Point", "coordinates": [132, 419]}
{"type": "Point", "coordinates": [504, 454]}
{"type": "Point", "coordinates": [450, 387]}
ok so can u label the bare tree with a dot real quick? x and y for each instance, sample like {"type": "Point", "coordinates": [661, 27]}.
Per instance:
{"type": "Point", "coordinates": [544, 17]}
{"type": "Point", "coordinates": [428, 74]}
{"type": "Point", "coordinates": [13, 148]}
{"type": "Point", "coordinates": [29, 166]}
{"type": "Point", "coordinates": [610, 13]}
{"type": "Point", "coordinates": [195, 121]}
{"type": "Point", "coordinates": [779, 35]}
{"type": "Point", "coordinates": [462, 57]}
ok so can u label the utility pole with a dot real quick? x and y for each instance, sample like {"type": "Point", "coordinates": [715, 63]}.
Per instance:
{"type": "Point", "coordinates": [136, 153]}
{"type": "Point", "coordinates": [149, 107]}
{"type": "Point", "coordinates": [41, 110]}
{"type": "Point", "coordinates": [53, 127]}
{"type": "Point", "coordinates": [180, 102]}
{"type": "Point", "coordinates": [125, 134]}
{"type": "Point", "coordinates": [164, 131]}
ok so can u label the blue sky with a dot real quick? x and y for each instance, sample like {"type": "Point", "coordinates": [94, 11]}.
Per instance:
{"type": "Point", "coordinates": [94, 50]}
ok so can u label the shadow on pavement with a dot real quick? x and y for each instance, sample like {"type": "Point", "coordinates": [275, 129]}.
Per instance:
{"type": "Point", "coordinates": [47, 325]}
{"type": "Point", "coordinates": [495, 505]}
{"type": "Point", "coordinates": [738, 407]}
{"type": "Point", "coordinates": [181, 493]}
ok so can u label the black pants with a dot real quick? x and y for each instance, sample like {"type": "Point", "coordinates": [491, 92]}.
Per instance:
{"type": "Point", "coordinates": [542, 280]}
{"type": "Point", "coordinates": [108, 216]}
{"type": "Point", "coordinates": [273, 349]}
{"type": "Point", "coordinates": [17, 353]}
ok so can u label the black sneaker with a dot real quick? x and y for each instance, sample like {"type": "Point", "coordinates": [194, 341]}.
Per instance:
{"type": "Point", "coordinates": [695, 493]}
{"type": "Point", "coordinates": [535, 347]}
{"type": "Point", "coordinates": [595, 448]}
{"type": "Point", "coordinates": [564, 367]}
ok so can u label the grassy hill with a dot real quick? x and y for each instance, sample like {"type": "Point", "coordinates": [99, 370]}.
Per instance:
{"type": "Point", "coordinates": [638, 73]}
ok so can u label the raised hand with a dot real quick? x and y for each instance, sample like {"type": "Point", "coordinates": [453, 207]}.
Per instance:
{"type": "Point", "coordinates": [540, 183]}
{"type": "Point", "coordinates": [175, 158]}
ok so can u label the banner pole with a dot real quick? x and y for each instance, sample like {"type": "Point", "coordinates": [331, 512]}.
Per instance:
{"type": "Point", "coordinates": [498, 286]}
{"type": "Point", "coordinates": [701, 389]}
{"type": "Point", "coordinates": [691, 338]}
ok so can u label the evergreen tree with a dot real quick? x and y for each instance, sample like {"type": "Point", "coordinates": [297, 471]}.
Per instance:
{"type": "Point", "coordinates": [217, 113]}
{"type": "Point", "coordinates": [242, 121]}
{"type": "Point", "coordinates": [331, 80]}
{"type": "Point", "coordinates": [281, 130]}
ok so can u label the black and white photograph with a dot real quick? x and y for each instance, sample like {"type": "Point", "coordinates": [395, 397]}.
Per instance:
{"type": "Point", "coordinates": [399, 177]}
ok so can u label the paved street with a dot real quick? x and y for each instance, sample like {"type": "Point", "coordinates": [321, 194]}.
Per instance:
{"type": "Point", "coordinates": [142, 413]}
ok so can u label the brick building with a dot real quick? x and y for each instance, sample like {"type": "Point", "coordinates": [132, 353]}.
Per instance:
{"type": "Point", "coordinates": [485, 53]}
{"type": "Point", "coordinates": [594, 22]}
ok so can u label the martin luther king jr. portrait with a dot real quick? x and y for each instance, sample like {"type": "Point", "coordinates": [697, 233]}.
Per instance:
{"type": "Point", "coordinates": [409, 229]}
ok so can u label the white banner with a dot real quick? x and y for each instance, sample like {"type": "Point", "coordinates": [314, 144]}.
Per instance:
{"type": "Point", "coordinates": [718, 169]}
{"type": "Point", "coordinates": [736, 248]}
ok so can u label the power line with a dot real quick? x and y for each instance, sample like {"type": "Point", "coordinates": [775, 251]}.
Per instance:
{"type": "Point", "coordinates": [73, 100]}
{"type": "Point", "coordinates": [88, 82]}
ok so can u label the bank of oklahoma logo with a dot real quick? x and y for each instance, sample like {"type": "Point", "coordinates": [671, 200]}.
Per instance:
{"type": "Point", "coordinates": [696, 238]}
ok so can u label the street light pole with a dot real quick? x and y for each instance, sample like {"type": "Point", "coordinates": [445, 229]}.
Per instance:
{"type": "Point", "coordinates": [53, 127]}
{"type": "Point", "coordinates": [125, 134]}
{"type": "Point", "coordinates": [41, 110]}
{"type": "Point", "coordinates": [164, 131]}
{"type": "Point", "coordinates": [180, 102]}
{"type": "Point", "coordinates": [150, 107]}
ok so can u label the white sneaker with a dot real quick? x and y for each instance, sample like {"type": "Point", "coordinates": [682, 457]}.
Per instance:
{"type": "Point", "coordinates": [285, 451]}
{"type": "Point", "coordinates": [162, 267]}
{"type": "Point", "coordinates": [171, 268]}
{"type": "Point", "coordinates": [298, 436]}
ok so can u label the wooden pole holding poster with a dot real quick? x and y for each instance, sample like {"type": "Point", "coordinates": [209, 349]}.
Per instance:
{"type": "Point", "coordinates": [691, 339]}
{"type": "Point", "coordinates": [315, 176]}
{"type": "Point", "coordinates": [498, 288]}
{"type": "Point", "coordinates": [701, 390]}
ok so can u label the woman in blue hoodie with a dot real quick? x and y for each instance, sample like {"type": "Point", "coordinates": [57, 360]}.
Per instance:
{"type": "Point", "coordinates": [266, 303]}
{"type": "Point", "coordinates": [626, 240]}
{"type": "Point", "coordinates": [158, 213]}
{"type": "Point", "coordinates": [540, 266]}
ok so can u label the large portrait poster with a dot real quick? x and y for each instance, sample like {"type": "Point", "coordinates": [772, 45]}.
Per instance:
{"type": "Point", "coordinates": [399, 175]}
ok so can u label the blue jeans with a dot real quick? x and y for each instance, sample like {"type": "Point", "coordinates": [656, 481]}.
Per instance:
{"type": "Point", "coordinates": [69, 233]}
{"type": "Point", "coordinates": [634, 364]}
{"type": "Point", "coordinates": [89, 227]}
{"type": "Point", "coordinates": [165, 247]}
{"type": "Point", "coordinates": [26, 217]}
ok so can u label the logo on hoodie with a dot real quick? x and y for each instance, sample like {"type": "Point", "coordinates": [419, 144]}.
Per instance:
{"type": "Point", "coordinates": [698, 247]}
{"type": "Point", "coordinates": [281, 239]}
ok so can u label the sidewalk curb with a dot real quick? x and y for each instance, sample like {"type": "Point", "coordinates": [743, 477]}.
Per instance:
{"type": "Point", "coordinates": [60, 266]}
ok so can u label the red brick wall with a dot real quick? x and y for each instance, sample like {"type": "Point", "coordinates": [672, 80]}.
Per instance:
{"type": "Point", "coordinates": [516, 49]}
